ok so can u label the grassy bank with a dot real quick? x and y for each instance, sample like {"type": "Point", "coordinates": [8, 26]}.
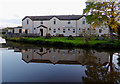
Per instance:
{"type": "Point", "coordinates": [65, 42]}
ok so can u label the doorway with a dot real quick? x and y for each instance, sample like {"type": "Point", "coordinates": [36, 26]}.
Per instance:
{"type": "Point", "coordinates": [41, 31]}
{"type": "Point", "coordinates": [26, 31]}
{"type": "Point", "coordinates": [20, 30]}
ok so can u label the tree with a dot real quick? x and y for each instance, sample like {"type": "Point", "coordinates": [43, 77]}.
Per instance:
{"type": "Point", "coordinates": [119, 30]}
{"type": "Point", "coordinates": [100, 13]}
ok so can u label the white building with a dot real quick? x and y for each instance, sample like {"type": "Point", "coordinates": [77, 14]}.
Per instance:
{"type": "Point", "coordinates": [16, 30]}
{"type": "Point", "coordinates": [66, 25]}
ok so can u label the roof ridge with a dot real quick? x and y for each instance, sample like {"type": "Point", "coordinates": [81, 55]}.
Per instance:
{"type": "Point", "coordinates": [52, 15]}
{"type": "Point", "coordinates": [61, 17]}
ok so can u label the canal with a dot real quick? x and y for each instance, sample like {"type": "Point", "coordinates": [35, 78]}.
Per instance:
{"type": "Point", "coordinates": [29, 63]}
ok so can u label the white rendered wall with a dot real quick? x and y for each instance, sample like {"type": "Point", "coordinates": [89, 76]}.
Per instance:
{"type": "Point", "coordinates": [28, 26]}
{"type": "Point", "coordinates": [62, 24]}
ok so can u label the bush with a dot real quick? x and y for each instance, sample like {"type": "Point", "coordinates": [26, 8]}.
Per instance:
{"type": "Point", "coordinates": [3, 35]}
{"type": "Point", "coordinates": [48, 36]}
{"type": "Point", "coordinates": [70, 37]}
{"type": "Point", "coordinates": [57, 34]}
{"type": "Point", "coordinates": [60, 35]}
{"type": "Point", "coordinates": [80, 35]}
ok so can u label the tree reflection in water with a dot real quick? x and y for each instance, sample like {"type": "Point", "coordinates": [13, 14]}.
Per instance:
{"type": "Point", "coordinates": [97, 70]}
{"type": "Point", "coordinates": [118, 59]}
{"type": "Point", "coordinates": [100, 73]}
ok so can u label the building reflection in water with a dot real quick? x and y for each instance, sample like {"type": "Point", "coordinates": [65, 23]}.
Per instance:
{"type": "Point", "coordinates": [62, 56]}
{"type": "Point", "coordinates": [99, 65]}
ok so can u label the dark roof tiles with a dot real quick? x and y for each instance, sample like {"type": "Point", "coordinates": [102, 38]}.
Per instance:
{"type": "Point", "coordinates": [60, 17]}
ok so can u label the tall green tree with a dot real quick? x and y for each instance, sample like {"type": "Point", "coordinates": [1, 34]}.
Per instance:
{"type": "Point", "coordinates": [100, 13]}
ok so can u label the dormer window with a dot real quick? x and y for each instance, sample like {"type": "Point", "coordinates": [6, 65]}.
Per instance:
{"type": "Point", "coordinates": [83, 22]}
{"type": "Point", "coordinates": [54, 21]}
{"type": "Point", "coordinates": [69, 22]}
{"type": "Point", "coordinates": [27, 21]}
{"type": "Point", "coordinates": [41, 22]}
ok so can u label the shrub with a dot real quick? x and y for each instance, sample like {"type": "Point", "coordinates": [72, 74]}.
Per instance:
{"type": "Point", "coordinates": [57, 34]}
{"type": "Point", "coordinates": [61, 35]}
{"type": "Point", "coordinates": [48, 36]}
{"type": "Point", "coordinates": [70, 37]}
{"type": "Point", "coordinates": [80, 35]}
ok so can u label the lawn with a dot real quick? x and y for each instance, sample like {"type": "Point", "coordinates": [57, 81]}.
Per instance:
{"type": "Point", "coordinates": [64, 41]}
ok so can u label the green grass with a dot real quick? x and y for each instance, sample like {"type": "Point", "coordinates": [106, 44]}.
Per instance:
{"type": "Point", "coordinates": [76, 40]}
{"type": "Point", "coordinates": [64, 41]}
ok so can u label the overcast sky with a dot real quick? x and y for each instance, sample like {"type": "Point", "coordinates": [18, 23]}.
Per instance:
{"type": "Point", "coordinates": [12, 11]}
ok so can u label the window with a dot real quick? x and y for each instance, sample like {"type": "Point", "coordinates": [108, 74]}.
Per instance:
{"type": "Point", "coordinates": [69, 22]}
{"type": "Point", "coordinates": [73, 30]}
{"type": "Point", "coordinates": [54, 30]}
{"type": "Point", "coordinates": [41, 50]}
{"type": "Point", "coordinates": [20, 30]}
{"type": "Point", "coordinates": [54, 50]}
{"type": "Point", "coordinates": [34, 50]}
{"type": "Point", "coordinates": [119, 13]}
{"type": "Point", "coordinates": [26, 49]}
{"type": "Point", "coordinates": [27, 21]}
{"type": "Point", "coordinates": [83, 22]}
{"type": "Point", "coordinates": [27, 56]}
{"type": "Point", "coordinates": [49, 28]}
{"type": "Point", "coordinates": [41, 22]}
{"type": "Point", "coordinates": [54, 21]}
{"type": "Point", "coordinates": [83, 30]}
{"type": "Point", "coordinates": [26, 31]}
{"type": "Point", "coordinates": [100, 30]}
{"type": "Point", "coordinates": [63, 30]}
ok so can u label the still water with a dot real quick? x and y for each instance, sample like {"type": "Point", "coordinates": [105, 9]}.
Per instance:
{"type": "Point", "coordinates": [29, 63]}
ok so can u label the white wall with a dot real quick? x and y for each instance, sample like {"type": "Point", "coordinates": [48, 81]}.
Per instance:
{"type": "Point", "coordinates": [82, 26]}
{"type": "Point", "coordinates": [62, 24]}
{"type": "Point", "coordinates": [16, 30]}
{"type": "Point", "coordinates": [28, 26]}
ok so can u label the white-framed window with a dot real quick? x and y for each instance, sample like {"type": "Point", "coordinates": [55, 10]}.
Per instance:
{"type": "Point", "coordinates": [69, 22]}
{"type": "Point", "coordinates": [27, 21]}
{"type": "Point", "coordinates": [20, 30]}
{"type": "Point", "coordinates": [63, 30]}
{"type": "Point", "coordinates": [54, 30]}
{"type": "Point", "coordinates": [54, 21]}
{"type": "Point", "coordinates": [41, 50]}
{"type": "Point", "coordinates": [100, 30]}
{"type": "Point", "coordinates": [83, 30]}
{"type": "Point", "coordinates": [41, 22]}
{"type": "Point", "coordinates": [73, 30]}
{"type": "Point", "coordinates": [84, 21]}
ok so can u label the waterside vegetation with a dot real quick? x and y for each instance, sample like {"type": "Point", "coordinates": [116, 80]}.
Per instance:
{"type": "Point", "coordinates": [78, 42]}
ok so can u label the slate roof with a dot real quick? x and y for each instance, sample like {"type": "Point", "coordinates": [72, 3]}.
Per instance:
{"type": "Point", "coordinates": [60, 17]}
{"type": "Point", "coordinates": [17, 27]}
